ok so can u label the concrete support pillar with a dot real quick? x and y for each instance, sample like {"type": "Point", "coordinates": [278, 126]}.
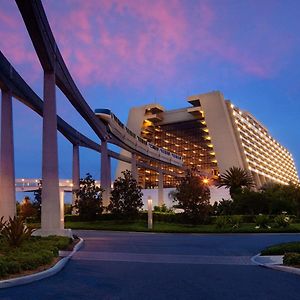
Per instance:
{"type": "Point", "coordinates": [262, 179]}
{"type": "Point", "coordinates": [256, 180]}
{"type": "Point", "coordinates": [75, 174]}
{"type": "Point", "coordinates": [52, 222]}
{"type": "Point", "coordinates": [105, 173]}
{"type": "Point", "coordinates": [62, 206]}
{"type": "Point", "coordinates": [160, 188]}
{"type": "Point", "coordinates": [134, 169]}
{"type": "Point", "coordinates": [7, 168]}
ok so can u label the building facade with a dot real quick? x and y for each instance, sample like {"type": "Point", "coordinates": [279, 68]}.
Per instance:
{"type": "Point", "coordinates": [211, 135]}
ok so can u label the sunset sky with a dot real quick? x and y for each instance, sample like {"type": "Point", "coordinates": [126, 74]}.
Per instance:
{"type": "Point", "coordinates": [128, 53]}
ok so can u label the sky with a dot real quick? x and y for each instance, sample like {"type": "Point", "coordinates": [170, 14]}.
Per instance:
{"type": "Point", "coordinates": [124, 53]}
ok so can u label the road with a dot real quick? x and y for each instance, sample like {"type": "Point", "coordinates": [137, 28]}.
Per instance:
{"type": "Point", "coordinates": [120, 265]}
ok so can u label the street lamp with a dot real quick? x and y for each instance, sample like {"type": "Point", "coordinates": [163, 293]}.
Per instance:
{"type": "Point", "coordinates": [150, 217]}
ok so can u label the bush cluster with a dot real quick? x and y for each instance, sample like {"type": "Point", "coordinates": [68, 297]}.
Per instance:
{"type": "Point", "coordinates": [262, 221]}
{"type": "Point", "coordinates": [222, 222]}
{"type": "Point", "coordinates": [272, 199]}
{"type": "Point", "coordinates": [282, 221]}
{"type": "Point", "coordinates": [291, 259]}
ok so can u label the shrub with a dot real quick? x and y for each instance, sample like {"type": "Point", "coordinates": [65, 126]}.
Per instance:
{"type": "Point", "coordinates": [27, 210]}
{"type": "Point", "coordinates": [235, 221]}
{"type": "Point", "coordinates": [262, 221]}
{"type": "Point", "coordinates": [15, 231]}
{"type": "Point", "coordinates": [162, 208]}
{"type": "Point", "coordinates": [282, 221]}
{"type": "Point", "coordinates": [88, 199]}
{"type": "Point", "coordinates": [68, 209]}
{"type": "Point", "coordinates": [291, 259]}
{"type": "Point", "coordinates": [126, 196]}
{"type": "Point", "coordinates": [221, 222]}
{"type": "Point", "coordinates": [3, 267]}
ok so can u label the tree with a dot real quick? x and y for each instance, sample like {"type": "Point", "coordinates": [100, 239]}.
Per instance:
{"type": "Point", "coordinates": [235, 179]}
{"type": "Point", "coordinates": [27, 210]}
{"type": "Point", "coordinates": [192, 195]}
{"type": "Point", "coordinates": [224, 207]}
{"type": "Point", "coordinates": [126, 196]}
{"type": "Point", "coordinates": [88, 199]}
{"type": "Point", "coordinates": [250, 202]}
{"type": "Point", "coordinates": [37, 203]}
{"type": "Point", "coordinates": [294, 191]}
{"type": "Point", "coordinates": [282, 197]}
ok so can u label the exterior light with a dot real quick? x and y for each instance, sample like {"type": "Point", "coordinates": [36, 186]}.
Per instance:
{"type": "Point", "coordinates": [205, 181]}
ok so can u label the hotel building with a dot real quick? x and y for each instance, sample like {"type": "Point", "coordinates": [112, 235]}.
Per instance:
{"type": "Point", "coordinates": [211, 135]}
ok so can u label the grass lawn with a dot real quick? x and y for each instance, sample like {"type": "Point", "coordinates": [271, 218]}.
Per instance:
{"type": "Point", "coordinates": [33, 254]}
{"type": "Point", "coordinates": [173, 227]}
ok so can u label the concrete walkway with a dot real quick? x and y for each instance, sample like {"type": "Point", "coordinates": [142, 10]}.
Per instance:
{"type": "Point", "coordinates": [120, 265]}
{"type": "Point", "coordinates": [163, 258]}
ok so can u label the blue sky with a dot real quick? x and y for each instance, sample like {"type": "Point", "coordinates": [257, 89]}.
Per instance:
{"type": "Point", "coordinates": [127, 53]}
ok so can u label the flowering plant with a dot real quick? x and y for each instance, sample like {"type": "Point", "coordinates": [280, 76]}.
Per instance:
{"type": "Point", "coordinates": [282, 220]}
{"type": "Point", "coordinates": [262, 221]}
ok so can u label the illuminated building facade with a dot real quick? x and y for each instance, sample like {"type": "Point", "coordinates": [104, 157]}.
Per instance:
{"type": "Point", "coordinates": [211, 135]}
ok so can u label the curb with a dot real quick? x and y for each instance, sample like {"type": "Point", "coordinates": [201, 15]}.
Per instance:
{"type": "Point", "coordinates": [41, 275]}
{"type": "Point", "coordinates": [274, 266]}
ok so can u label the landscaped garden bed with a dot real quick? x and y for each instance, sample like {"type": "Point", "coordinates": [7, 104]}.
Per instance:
{"type": "Point", "coordinates": [290, 252]}
{"type": "Point", "coordinates": [33, 255]}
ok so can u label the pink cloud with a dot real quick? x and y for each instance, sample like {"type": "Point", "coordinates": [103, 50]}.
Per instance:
{"type": "Point", "coordinates": [134, 42]}
{"type": "Point", "coordinates": [15, 45]}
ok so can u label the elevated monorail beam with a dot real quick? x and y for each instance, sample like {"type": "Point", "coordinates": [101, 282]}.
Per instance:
{"type": "Point", "coordinates": [9, 78]}
{"type": "Point", "coordinates": [37, 25]}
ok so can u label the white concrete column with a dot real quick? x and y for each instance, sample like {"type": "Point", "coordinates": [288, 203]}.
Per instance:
{"type": "Point", "coordinates": [262, 179]}
{"type": "Point", "coordinates": [62, 206]}
{"type": "Point", "coordinates": [256, 180]}
{"type": "Point", "coordinates": [160, 188]}
{"type": "Point", "coordinates": [134, 170]}
{"type": "Point", "coordinates": [51, 204]}
{"type": "Point", "coordinates": [105, 180]}
{"type": "Point", "coordinates": [7, 168]}
{"type": "Point", "coordinates": [75, 174]}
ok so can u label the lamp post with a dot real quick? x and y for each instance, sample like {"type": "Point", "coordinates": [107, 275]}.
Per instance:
{"type": "Point", "coordinates": [150, 216]}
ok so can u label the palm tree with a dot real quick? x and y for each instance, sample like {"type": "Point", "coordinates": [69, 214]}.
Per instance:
{"type": "Point", "coordinates": [235, 179]}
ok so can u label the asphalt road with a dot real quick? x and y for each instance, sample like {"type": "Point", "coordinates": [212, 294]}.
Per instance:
{"type": "Point", "coordinates": [119, 265]}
